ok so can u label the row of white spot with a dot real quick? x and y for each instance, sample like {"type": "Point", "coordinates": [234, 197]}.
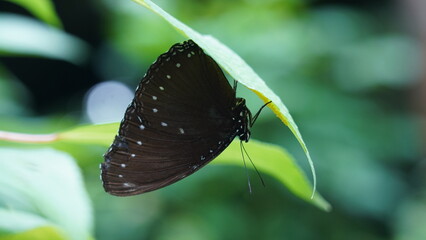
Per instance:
{"type": "Point", "coordinates": [164, 124]}
{"type": "Point", "coordinates": [155, 98]}
{"type": "Point", "coordinates": [155, 110]}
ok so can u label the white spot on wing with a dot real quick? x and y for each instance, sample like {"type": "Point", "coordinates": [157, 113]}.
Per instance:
{"type": "Point", "coordinates": [178, 65]}
{"type": "Point", "coordinates": [139, 143]}
{"type": "Point", "coordinates": [133, 155]}
{"type": "Point", "coordinates": [154, 97]}
{"type": "Point", "coordinates": [181, 130]}
{"type": "Point", "coordinates": [168, 76]}
{"type": "Point", "coordinates": [120, 176]}
{"type": "Point", "coordinates": [189, 55]}
{"type": "Point", "coordinates": [161, 88]}
{"type": "Point", "coordinates": [141, 127]}
{"type": "Point", "coordinates": [123, 165]}
{"type": "Point", "coordinates": [163, 124]}
{"type": "Point", "coordinates": [155, 110]}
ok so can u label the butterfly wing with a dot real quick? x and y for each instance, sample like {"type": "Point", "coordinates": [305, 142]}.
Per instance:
{"type": "Point", "coordinates": [179, 120]}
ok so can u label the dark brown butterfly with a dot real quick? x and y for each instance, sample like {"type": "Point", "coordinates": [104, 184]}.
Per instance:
{"type": "Point", "coordinates": [184, 114]}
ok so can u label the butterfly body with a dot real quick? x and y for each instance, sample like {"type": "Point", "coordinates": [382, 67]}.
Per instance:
{"type": "Point", "coordinates": [184, 114]}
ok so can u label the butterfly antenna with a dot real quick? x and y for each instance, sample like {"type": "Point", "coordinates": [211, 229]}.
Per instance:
{"type": "Point", "coordinates": [235, 85]}
{"type": "Point", "coordinates": [245, 166]}
{"type": "Point", "coordinates": [254, 166]}
{"type": "Point", "coordinates": [258, 113]}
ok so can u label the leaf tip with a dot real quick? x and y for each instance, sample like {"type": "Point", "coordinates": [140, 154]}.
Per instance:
{"type": "Point", "coordinates": [314, 175]}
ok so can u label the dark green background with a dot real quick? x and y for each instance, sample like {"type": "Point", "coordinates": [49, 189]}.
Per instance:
{"type": "Point", "coordinates": [347, 71]}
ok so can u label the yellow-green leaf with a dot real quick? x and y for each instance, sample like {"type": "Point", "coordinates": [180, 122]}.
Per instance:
{"type": "Point", "coordinates": [42, 9]}
{"type": "Point", "coordinates": [277, 162]}
{"type": "Point", "coordinates": [102, 134]}
{"type": "Point", "coordinates": [40, 233]}
{"type": "Point", "coordinates": [270, 159]}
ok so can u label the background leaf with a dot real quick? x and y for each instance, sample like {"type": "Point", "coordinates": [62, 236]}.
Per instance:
{"type": "Point", "coordinates": [277, 162]}
{"type": "Point", "coordinates": [19, 221]}
{"type": "Point", "coordinates": [270, 159]}
{"type": "Point", "coordinates": [100, 134]}
{"type": "Point", "coordinates": [42, 9]}
{"type": "Point", "coordinates": [40, 233]}
{"type": "Point", "coordinates": [43, 187]}
{"type": "Point", "coordinates": [21, 35]}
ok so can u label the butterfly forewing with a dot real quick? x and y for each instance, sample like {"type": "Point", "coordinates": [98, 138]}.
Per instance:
{"type": "Point", "coordinates": [180, 119]}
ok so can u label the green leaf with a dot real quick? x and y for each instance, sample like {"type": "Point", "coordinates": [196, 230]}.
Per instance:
{"type": "Point", "coordinates": [40, 233]}
{"type": "Point", "coordinates": [19, 221]}
{"type": "Point", "coordinates": [24, 225]}
{"type": "Point", "coordinates": [239, 70]}
{"type": "Point", "coordinates": [277, 162]}
{"type": "Point", "coordinates": [101, 134]}
{"type": "Point", "coordinates": [43, 187]}
{"type": "Point", "coordinates": [21, 35]}
{"type": "Point", "coordinates": [270, 159]}
{"type": "Point", "coordinates": [42, 9]}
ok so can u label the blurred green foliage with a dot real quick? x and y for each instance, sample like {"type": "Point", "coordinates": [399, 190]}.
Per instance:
{"type": "Point", "coordinates": [344, 72]}
{"type": "Point", "coordinates": [42, 9]}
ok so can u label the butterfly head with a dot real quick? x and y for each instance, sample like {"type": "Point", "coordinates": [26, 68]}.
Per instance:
{"type": "Point", "coordinates": [242, 117]}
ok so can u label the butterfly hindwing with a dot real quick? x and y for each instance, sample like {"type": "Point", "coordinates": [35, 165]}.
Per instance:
{"type": "Point", "coordinates": [180, 119]}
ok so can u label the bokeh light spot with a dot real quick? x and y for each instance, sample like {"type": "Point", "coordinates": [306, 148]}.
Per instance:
{"type": "Point", "coordinates": [107, 102]}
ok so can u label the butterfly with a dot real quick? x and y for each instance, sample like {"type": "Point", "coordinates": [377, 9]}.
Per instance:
{"type": "Point", "coordinates": [183, 115]}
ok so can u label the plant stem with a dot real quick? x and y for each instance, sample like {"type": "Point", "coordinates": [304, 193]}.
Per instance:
{"type": "Point", "coordinates": [27, 138]}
